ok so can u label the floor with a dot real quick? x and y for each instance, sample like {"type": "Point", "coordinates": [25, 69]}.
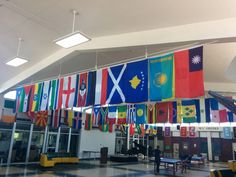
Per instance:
{"type": "Point", "coordinates": [94, 169]}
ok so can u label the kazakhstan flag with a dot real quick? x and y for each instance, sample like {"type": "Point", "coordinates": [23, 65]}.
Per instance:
{"type": "Point", "coordinates": [161, 77]}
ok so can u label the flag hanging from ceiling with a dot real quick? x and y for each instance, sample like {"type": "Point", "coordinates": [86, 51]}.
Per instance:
{"type": "Point", "coordinates": [103, 115]}
{"type": "Point", "coordinates": [77, 121]}
{"type": "Point", "coordinates": [167, 132]}
{"type": "Point", "coordinates": [131, 114]}
{"type": "Point", "coordinates": [183, 131]}
{"type": "Point", "coordinates": [67, 89]}
{"type": "Point", "coordinates": [179, 111]}
{"type": "Point", "coordinates": [207, 110]}
{"type": "Point", "coordinates": [151, 113]}
{"type": "Point", "coordinates": [35, 96]}
{"type": "Point", "coordinates": [131, 129]}
{"type": "Point", "coordinates": [91, 88]}
{"type": "Point", "coordinates": [69, 114]}
{"type": "Point", "coordinates": [41, 118]}
{"type": "Point", "coordinates": [23, 99]}
{"type": "Point", "coordinates": [136, 82]}
{"type": "Point", "coordinates": [31, 115]}
{"type": "Point", "coordinates": [96, 116]}
{"type": "Point", "coordinates": [122, 114]}
{"type": "Point", "coordinates": [52, 102]}
{"type": "Point", "coordinates": [161, 77]}
{"type": "Point", "coordinates": [172, 106]}
{"type": "Point", "coordinates": [191, 111]}
{"type": "Point", "coordinates": [88, 122]}
{"type": "Point", "coordinates": [45, 96]}
{"type": "Point", "coordinates": [227, 132]}
{"type": "Point", "coordinates": [112, 115]}
{"type": "Point", "coordinates": [192, 132]}
{"type": "Point", "coordinates": [19, 98]}
{"type": "Point", "coordinates": [55, 118]}
{"type": "Point", "coordinates": [189, 73]}
{"type": "Point", "coordinates": [162, 112]}
{"type": "Point", "coordinates": [115, 84]}
{"type": "Point", "coordinates": [82, 89]}
{"type": "Point", "coordinates": [141, 113]}
{"type": "Point", "coordinates": [101, 87]}
{"type": "Point", "coordinates": [140, 129]}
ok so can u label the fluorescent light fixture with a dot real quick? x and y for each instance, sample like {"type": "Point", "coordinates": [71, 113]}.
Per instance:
{"type": "Point", "coordinates": [17, 62]}
{"type": "Point", "coordinates": [71, 40]}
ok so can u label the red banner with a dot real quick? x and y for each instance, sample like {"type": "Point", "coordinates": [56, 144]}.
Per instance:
{"type": "Point", "coordinates": [183, 131]}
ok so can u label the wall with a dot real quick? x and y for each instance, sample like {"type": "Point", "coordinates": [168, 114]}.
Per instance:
{"type": "Point", "coordinates": [93, 140]}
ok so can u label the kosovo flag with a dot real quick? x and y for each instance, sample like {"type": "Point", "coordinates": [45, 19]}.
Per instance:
{"type": "Point", "coordinates": [161, 77]}
{"type": "Point", "coordinates": [190, 111]}
{"type": "Point", "coordinates": [115, 84]}
{"type": "Point", "coordinates": [141, 112]}
{"type": "Point", "coordinates": [136, 82]}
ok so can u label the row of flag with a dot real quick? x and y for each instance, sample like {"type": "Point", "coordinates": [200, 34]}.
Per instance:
{"type": "Point", "coordinates": [176, 75]}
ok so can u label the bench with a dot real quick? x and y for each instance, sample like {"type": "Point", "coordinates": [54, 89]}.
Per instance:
{"type": "Point", "coordinates": [50, 159]}
{"type": "Point", "coordinates": [222, 173]}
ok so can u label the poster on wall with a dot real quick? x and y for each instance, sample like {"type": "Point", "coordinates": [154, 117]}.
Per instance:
{"type": "Point", "coordinates": [176, 150]}
{"type": "Point", "coordinates": [167, 132]}
{"type": "Point", "coordinates": [183, 131]}
{"type": "Point", "coordinates": [192, 132]}
{"type": "Point", "coordinates": [227, 133]}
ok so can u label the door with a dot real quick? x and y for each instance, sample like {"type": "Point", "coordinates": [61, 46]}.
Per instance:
{"type": "Point", "coordinates": [51, 142]}
{"type": "Point", "coordinates": [176, 150]}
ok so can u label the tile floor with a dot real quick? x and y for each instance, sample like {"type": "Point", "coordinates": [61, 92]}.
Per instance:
{"type": "Point", "coordinates": [94, 169]}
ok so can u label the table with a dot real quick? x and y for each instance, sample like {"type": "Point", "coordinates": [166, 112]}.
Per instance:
{"type": "Point", "coordinates": [173, 162]}
{"type": "Point", "coordinates": [200, 160]}
{"type": "Point", "coordinates": [90, 153]}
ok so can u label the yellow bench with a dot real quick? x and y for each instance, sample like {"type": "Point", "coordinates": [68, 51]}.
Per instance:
{"type": "Point", "coordinates": [222, 173]}
{"type": "Point", "coordinates": [50, 159]}
{"type": "Point", "coordinates": [232, 165]}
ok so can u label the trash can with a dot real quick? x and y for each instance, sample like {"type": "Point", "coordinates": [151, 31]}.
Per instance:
{"type": "Point", "coordinates": [103, 155]}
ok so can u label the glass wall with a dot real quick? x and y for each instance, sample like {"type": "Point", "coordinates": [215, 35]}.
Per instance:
{"type": "Point", "coordinates": [74, 143]}
{"type": "Point", "coordinates": [64, 137]}
{"type": "Point", "coordinates": [5, 139]}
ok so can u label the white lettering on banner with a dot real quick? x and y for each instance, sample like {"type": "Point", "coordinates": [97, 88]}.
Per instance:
{"type": "Point", "coordinates": [208, 129]}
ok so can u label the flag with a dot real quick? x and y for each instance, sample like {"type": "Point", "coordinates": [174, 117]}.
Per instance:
{"type": "Point", "coordinates": [115, 84]}
{"type": "Point", "coordinates": [103, 115]}
{"type": "Point", "coordinates": [131, 114]}
{"type": "Point", "coordinates": [136, 82]}
{"type": "Point", "coordinates": [55, 118]}
{"type": "Point", "coordinates": [141, 113]}
{"type": "Point", "coordinates": [96, 116]}
{"type": "Point", "coordinates": [140, 129]}
{"type": "Point", "coordinates": [112, 115]}
{"type": "Point", "coordinates": [41, 118]}
{"type": "Point", "coordinates": [23, 104]}
{"type": "Point", "coordinates": [207, 110]}
{"type": "Point", "coordinates": [223, 115]}
{"type": "Point", "coordinates": [52, 102]}
{"type": "Point", "coordinates": [45, 96]}
{"type": "Point", "coordinates": [215, 116]}
{"type": "Point", "coordinates": [227, 133]}
{"type": "Point", "coordinates": [101, 87]}
{"type": "Point", "coordinates": [122, 114]}
{"type": "Point", "coordinates": [189, 73]}
{"type": "Point", "coordinates": [151, 113]}
{"type": "Point", "coordinates": [190, 111]}
{"type": "Point", "coordinates": [183, 131]}
{"type": "Point", "coordinates": [162, 112]}
{"type": "Point", "coordinates": [231, 116]}
{"type": "Point", "coordinates": [131, 129]}
{"type": "Point", "coordinates": [88, 122]}
{"type": "Point", "coordinates": [104, 127]}
{"type": "Point", "coordinates": [179, 111]}
{"type": "Point", "coordinates": [192, 132]}
{"type": "Point", "coordinates": [202, 111]}
{"type": "Point", "coordinates": [67, 89]}
{"type": "Point", "coordinates": [35, 97]}
{"type": "Point", "coordinates": [83, 89]}
{"type": "Point", "coordinates": [161, 77]}
{"type": "Point", "coordinates": [69, 114]}
{"type": "Point", "coordinates": [77, 121]}
{"type": "Point", "coordinates": [172, 106]}
{"type": "Point", "coordinates": [19, 98]}
{"type": "Point", "coordinates": [91, 88]}
{"type": "Point", "coordinates": [31, 115]}
{"type": "Point", "coordinates": [167, 132]}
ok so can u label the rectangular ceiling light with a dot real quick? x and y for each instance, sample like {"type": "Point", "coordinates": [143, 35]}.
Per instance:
{"type": "Point", "coordinates": [71, 40]}
{"type": "Point", "coordinates": [17, 62]}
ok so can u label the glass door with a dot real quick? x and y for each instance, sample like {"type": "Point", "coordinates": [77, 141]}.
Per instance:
{"type": "Point", "coordinates": [51, 142]}
{"type": "Point", "coordinates": [36, 145]}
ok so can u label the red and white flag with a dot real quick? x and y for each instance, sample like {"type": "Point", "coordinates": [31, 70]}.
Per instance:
{"type": "Point", "coordinates": [101, 86]}
{"type": "Point", "coordinates": [66, 95]}
{"type": "Point", "coordinates": [82, 89]}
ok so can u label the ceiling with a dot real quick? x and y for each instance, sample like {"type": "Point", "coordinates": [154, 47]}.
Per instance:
{"type": "Point", "coordinates": [41, 22]}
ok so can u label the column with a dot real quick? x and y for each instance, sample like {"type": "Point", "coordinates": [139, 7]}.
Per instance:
{"type": "Point", "coordinates": [1, 105]}
{"type": "Point", "coordinates": [58, 139]}
{"type": "Point", "coordinates": [209, 146]}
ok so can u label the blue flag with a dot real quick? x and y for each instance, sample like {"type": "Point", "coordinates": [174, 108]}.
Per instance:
{"type": "Point", "coordinates": [141, 112]}
{"type": "Point", "coordinates": [115, 84]}
{"type": "Point", "coordinates": [161, 77]}
{"type": "Point", "coordinates": [136, 82]}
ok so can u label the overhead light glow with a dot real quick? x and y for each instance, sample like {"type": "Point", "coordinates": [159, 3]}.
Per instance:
{"type": "Point", "coordinates": [17, 62]}
{"type": "Point", "coordinates": [10, 95]}
{"type": "Point", "coordinates": [71, 40]}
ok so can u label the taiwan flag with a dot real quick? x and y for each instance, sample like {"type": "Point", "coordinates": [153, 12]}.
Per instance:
{"type": "Point", "coordinates": [189, 73]}
{"type": "Point", "coordinates": [136, 82]}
